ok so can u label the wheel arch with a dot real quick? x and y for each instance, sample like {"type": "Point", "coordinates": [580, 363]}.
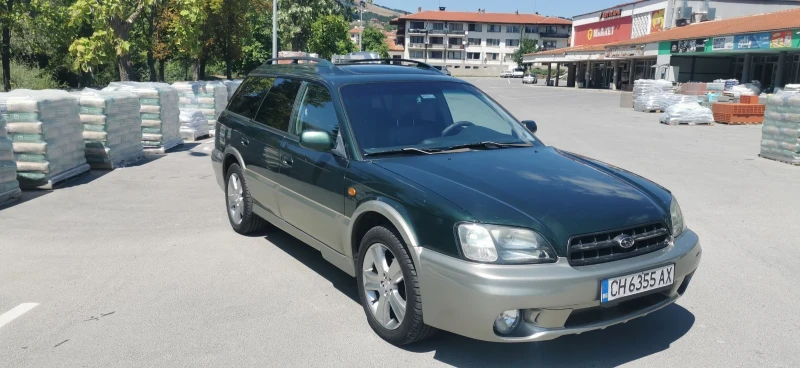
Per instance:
{"type": "Point", "coordinates": [231, 156]}
{"type": "Point", "coordinates": [373, 213]}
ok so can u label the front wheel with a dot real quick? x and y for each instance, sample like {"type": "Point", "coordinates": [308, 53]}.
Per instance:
{"type": "Point", "coordinates": [239, 204]}
{"type": "Point", "coordinates": [389, 289]}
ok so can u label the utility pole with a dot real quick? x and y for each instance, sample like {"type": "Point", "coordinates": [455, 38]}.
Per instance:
{"type": "Point", "coordinates": [361, 24]}
{"type": "Point", "coordinates": [275, 30]}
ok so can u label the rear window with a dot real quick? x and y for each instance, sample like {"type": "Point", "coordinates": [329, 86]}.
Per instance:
{"type": "Point", "coordinates": [249, 95]}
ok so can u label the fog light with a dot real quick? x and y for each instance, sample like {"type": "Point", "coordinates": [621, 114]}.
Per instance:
{"type": "Point", "coordinates": [507, 322]}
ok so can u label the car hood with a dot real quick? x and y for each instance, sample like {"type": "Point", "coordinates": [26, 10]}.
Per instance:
{"type": "Point", "coordinates": [556, 193]}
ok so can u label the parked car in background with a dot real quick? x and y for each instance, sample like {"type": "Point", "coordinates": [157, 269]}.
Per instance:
{"type": "Point", "coordinates": [506, 74]}
{"type": "Point", "coordinates": [530, 79]}
{"type": "Point", "coordinates": [449, 212]}
{"type": "Point", "coordinates": [518, 72]}
{"type": "Point", "coordinates": [442, 68]}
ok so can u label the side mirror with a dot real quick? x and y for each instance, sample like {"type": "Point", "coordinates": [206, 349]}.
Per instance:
{"type": "Point", "coordinates": [316, 140]}
{"type": "Point", "coordinates": [530, 125]}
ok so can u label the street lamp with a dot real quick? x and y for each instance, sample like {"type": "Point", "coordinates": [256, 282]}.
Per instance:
{"type": "Point", "coordinates": [275, 31]}
{"type": "Point", "coordinates": [361, 6]}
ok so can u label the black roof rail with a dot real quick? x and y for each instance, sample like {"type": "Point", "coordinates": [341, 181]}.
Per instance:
{"type": "Point", "coordinates": [295, 59]}
{"type": "Point", "coordinates": [388, 62]}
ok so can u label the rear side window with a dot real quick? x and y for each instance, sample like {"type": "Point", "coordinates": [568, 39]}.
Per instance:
{"type": "Point", "coordinates": [276, 110]}
{"type": "Point", "coordinates": [249, 96]}
{"type": "Point", "coordinates": [316, 111]}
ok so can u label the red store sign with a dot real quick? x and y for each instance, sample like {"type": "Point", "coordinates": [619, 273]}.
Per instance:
{"type": "Point", "coordinates": [610, 30]}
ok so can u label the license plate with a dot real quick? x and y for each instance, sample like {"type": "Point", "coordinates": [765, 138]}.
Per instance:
{"type": "Point", "coordinates": [640, 282]}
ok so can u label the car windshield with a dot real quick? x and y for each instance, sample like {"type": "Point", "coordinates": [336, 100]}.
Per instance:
{"type": "Point", "coordinates": [426, 116]}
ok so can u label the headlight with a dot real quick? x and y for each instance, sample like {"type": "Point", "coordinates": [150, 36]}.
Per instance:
{"type": "Point", "coordinates": [678, 224]}
{"type": "Point", "coordinates": [503, 244]}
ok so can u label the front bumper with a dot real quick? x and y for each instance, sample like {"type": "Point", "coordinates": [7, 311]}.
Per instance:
{"type": "Point", "coordinates": [558, 299]}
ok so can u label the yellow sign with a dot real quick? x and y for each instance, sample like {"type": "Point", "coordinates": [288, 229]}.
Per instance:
{"type": "Point", "coordinates": [657, 21]}
{"type": "Point", "coordinates": [590, 33]}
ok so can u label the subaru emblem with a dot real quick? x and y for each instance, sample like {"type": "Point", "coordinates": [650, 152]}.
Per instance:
{"type": "Point", "coordinates": [625, 241]}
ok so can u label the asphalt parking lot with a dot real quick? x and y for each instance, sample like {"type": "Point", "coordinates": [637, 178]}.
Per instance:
{"type": "Point", "coordinates": [139, 266]}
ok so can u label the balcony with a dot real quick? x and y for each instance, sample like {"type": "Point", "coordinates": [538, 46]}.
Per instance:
{"type": "Point", "coordinates": [416, 45]}
{"type": "Point", "coordinates": [455, 47]}
{"type": "Point", "coordinates": [417, 31]}
{"type": "Point", "coordinates": [553, 35]}
{"type": "Point", "coordinates": [456, 33]}
{"type": "Point", "coordinates": [436, 46]}
{"type": "Point", "coordinates": [437, 32]}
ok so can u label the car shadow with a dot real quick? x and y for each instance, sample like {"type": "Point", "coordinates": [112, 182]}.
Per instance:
{"type": "Point", "coordinates": [312, 259]}
{"type": "Point", "coordinates": [610, 347]}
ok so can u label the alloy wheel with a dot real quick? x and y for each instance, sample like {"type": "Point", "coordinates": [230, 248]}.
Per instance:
{"type": "Point", "coordinates": [235, 199]}
{"type": "Point", "coordinates": [384, 286]}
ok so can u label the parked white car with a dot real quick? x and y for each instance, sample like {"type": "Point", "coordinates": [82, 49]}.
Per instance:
{"type": "Point", "coordinates": [518, 73]}
{"type": "Point", "coordinates": [530, 79]}
{"type": "Point", "coordinates": [506, 74]}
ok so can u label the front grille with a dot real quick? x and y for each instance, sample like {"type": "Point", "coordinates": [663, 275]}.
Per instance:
{"type": "Point", "coordinates": [601, 247]}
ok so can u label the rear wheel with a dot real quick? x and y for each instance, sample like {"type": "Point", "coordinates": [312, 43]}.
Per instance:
{"type": "Point", "coordinates": [389, 289]}
{"type": "Point", "coordinates": [239, 204]}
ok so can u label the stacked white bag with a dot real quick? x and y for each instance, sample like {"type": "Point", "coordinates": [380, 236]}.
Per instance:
{"type": "Point", "coordinates": [112, 127]}
{"type": "Point", "coordinates": [47, 136]}
{"type": "Point", "coordinates": [193, 124]}
{"type": "Point", "coordinates": [159, 113]}
{"type": "Point", "coordinates": [648, 94]}
{"type": "Point", "coordinates": [9, 186]}
{"type": "Point", "coordinates": [780, 133]}
{"type": "Point", "coordinates": [690, 113]}
{"type": "Point", "coordinates": [232, 85]}
{"type": "Point", "coordinates": [210, 98]}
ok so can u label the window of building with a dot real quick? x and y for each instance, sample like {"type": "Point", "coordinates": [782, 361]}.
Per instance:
{"type": "Point", "coordinates": [454, 41]}
{"type": "Point", "coordinates": [436, 54]}
{"type": "Point", "coordinates": [276, 110]}
{"type": "Point", "coordinates": [512, 43]}
{"type": "Point", "coordinates": [549, 44]}
{"type": "Point", "coordinates": [472, 27]}
{"type": "Point", "coordinates": [417, 25]}
{"type": "Point", "coordinates": [531, 29]}
{"type": "Point", "coordinates": [492, 56]}
{"type": "Point", "coordinates": [474, 41]}
{"type": "Point", "coordinates": [473, 56]}
{"type": "Point", "coordinates": [249, 96]}
{"type": "Point", "coordinates": [456, 55]}
{"type": "Point", "coordinates": [316, 112]}
{"type": "Point", "coordinates": [549, 29]}
{"type": "Point", "coordinates": [437, 40]}
{"type": "Point", "coordinates": [438, 26]}
{"type": "Point", "coordinates": [417, 39]}
{"type": "Point", "coordinates": [492, 42]}
{"type": "Point", "coordinates": [493, 28]}
{"type": "Point", "coordinates": [512, 29]}
{"type": "Point", "coordinates": [456, 26]}
{"type": "Point", "coordinates": [416, 54]}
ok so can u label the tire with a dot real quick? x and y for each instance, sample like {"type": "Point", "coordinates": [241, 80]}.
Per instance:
{"type": "Point", "coordinates": [243, 220]}
{"type": "Point", "coordinates": [412, 328]}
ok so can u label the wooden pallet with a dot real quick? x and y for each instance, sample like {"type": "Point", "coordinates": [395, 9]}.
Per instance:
{"type": "Point", "coordinates": [739, 122]}
{"type": "Point", "coordinates": [650, 111]}
{"type": "Point", "coordinates": [686, 124]}
{"type": "Point", "coordinates": [10, 196]}
{"type": "Point", "coordinates": [785, 160]}
{"type": "Point", "coordinates": [55, 180]}
{"type": "Point", "coordinates": [120, 163]}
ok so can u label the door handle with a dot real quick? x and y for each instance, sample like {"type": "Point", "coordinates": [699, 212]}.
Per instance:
{"type": "Point", "coordinates": [287, 161]}
{"type": "Point", "coordinates": [245, 141]}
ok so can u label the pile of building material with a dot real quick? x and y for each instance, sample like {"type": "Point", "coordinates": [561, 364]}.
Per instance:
{"type": "Point", "coordinates": [648, 94]}
{"type": "Point", "coordinates": [780, 135]}
{"type": "Point", "coordinates": [159, 113]}
{"type": "Point", "coordinates": [210, 98]}
{"type": "Point", "coordinates": [46, 133]}
{"type": "Point", "coordinates": [687, 113]}
{"type": "Point", "coordinates": [232, 85]}
{"type": "Point", "coordinates": [193, 124]}
{"type": "Point", "coordinates": [9, 186]}
{"type": "Point", "coordinates": [112, 127]}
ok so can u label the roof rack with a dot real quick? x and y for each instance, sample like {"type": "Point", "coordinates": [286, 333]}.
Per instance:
{"type": "Point", "coordinates": [296, 59]}
{"type": "Point", "coordinates": [389, 62]}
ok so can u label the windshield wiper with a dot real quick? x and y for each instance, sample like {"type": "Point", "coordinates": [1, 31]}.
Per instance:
{"type": "Point", "coordinates": [489, 145]}
{"type": "Point", "coordinates": [403, 150]}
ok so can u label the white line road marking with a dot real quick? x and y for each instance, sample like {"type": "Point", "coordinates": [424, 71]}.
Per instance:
{"type": "Point", "coordinates": [19, 310]}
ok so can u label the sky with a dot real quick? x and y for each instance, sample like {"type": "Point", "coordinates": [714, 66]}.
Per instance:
{"type": "Point", "coordinates": [563, 8]}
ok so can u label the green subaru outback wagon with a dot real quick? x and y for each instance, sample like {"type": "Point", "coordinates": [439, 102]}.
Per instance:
{"type": "Point", "coordinates": [449, 212]}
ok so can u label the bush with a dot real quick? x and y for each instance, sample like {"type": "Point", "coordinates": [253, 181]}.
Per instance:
{"type": "Point", "coordinates": [31, 77]}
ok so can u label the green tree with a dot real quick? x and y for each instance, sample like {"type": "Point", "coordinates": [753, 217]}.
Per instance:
{"type": "Point", "coordinates": [295, 19]}
{"type": "Point", "coordinates": [526, 46]}
{"type": "Point", "coordinates": [329, 36]}
{"type": "Point", "coordinates": [374, 40]}
{"type": "Point", "coordinates": [111, 22]}
{"type": "Point", "coordinates": [190, 33]}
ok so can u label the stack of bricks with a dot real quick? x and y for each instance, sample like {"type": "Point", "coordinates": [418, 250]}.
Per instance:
{"type": "Point", "coordinates": [738, 113]}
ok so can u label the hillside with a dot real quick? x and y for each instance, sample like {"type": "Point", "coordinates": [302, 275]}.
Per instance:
{"type": "Point", "coordinates": [383, 11]}
{"type": "Point", "coordinates": [374, 11]}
